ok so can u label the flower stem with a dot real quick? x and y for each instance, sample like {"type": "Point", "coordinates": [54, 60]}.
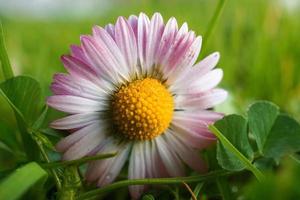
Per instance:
{"type": "Point", "coordinates": [6, 67]}
{"type": "Point", "coordinates": [46, 158]}
{"type": "Point", "coordinates": [177, 180]}
{"type": "Point", "coordinates": [213, 22]}
{"type": "Point", "coordinates": [236, 152]}
{"type": "Point", "coordinates": [78, 161]}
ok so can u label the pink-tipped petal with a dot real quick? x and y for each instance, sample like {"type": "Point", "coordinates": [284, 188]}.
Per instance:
{"type": "Point", "coordinates": [169, 157]}
{"type": "Point", "coordinates": [184, 58]}
{"type": "Point", "coordinates": [133, 21]}
{"type": "Point", "coordinates": [204, 83]}
{"type": "Point", "coordinates": [202, 100]}
{"type": "Point", "coordinates": [126, 41]}
{"type": "Point", "coordinates": [110, 28]}
{"type": "Point", "coordinates": [64, 144]}
{"type": "Point", "coordinates": [76, 51]}
{"type": "Point", "coordinates": [167, 40]}
{"type": "Point", "coordinates": [73, 104]}
{"type": "Point", "coordinates": [114, 166]}
{"type": "Point", "coordinates": [86, 144]}
{"type": "Point", "coordinates": [142, 39]}
{"type": "Point", "coordinates": [154, 37]}
{"type": "Point", "coordinates": [137, 169]}
{"type": "Point", "coordinates": [75, 121]}
{"type": "Point", "coordinates": [187, 154]}
{"type": "Point", "coordinates": [198, 70]}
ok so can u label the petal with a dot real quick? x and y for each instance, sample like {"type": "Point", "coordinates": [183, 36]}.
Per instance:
{"type": "Point", "coordinates": [200, 100]}
{"type": "Point", "coordinates": [103, 170]}
{"type": "Point", "coordinates": [142, 39]}
{"type": "Point", "coordinates": [183, 58]}
{"type": "Point", "coordinates": [65, 143]}
{"type": "Point", "coordinates": [169, 157]}
{"type": "Point", "coordinates": [133, 21]}
{"type": "Point", "coordinates": [116, 59]}
{"type": "Point", "coordinates": [137, 169]}
{"type": "Point", "coordinates": [86, 144]}
{"type": "Point", "coordinates": [75, 121]}
{"type": "Point", "coordinates": [110, 28]}
{"type": "Point", "coordinates": [156, 29]}
{"type": "Point", "coordinates": [198, 70]}
{"type": "Point", "coordinates": [65, 84]}
{"type": "Point", "coordinates": [192, 123]}
{"type": "Point", "coordinates": [158, 167]}
{"type": "Point", "coordinates": [74, 104]}
{"type": "Point", "coordinates": [126, 41]}
{"type": "Point", "coordinates": [114, 166]}
{"type": "Point", "coordinates": [101, 59]}
{"type": "Point", "coordinates": [202, 84]}
{"type": "Point", "coordinates": [187, 154]}
{"type": "Point", "coordinates": [77, 52]}
{"type": "Point", "coordinates": [167, 39]}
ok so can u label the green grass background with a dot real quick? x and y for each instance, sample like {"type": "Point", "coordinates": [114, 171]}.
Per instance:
{"type": "Point", "coordinates": [258, 41]}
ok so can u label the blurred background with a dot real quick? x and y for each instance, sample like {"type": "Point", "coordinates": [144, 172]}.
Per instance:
{"type": "Point", "coordinates": [258, 41]}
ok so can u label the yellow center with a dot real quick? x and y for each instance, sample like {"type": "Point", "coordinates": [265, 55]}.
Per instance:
{"type": "Point", "coordinates": [143, 109]}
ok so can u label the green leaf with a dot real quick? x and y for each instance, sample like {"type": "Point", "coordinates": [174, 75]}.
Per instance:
{"type": "Point", "coordinates": [261, 117]}
{"type": "Point", "coordinates": [8, 137]}
{"type": "Point", "coordinates": [24, 95]}
{"type": "Point", "coordinates": [21, 180]}
{"type": "Point", "coordinates": [284, 138]}
{"type": "Point", "coordinates": [234, 128]}
{"type": "Point", "coordinates": [4, 61]}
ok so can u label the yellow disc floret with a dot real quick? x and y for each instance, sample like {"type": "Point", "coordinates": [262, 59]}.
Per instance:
{"type": "Point", "coordinates": [142, 109]}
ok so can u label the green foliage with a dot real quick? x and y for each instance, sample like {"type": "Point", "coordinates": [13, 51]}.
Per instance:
{"type": "Point", "coordinates": [234, 128]}
{"type": "Point", "coordinates": [275, 134]}
{"type": "Point", "coordinates": [20, 181]}
{"type": "Point", "coordinates": [262, 116]}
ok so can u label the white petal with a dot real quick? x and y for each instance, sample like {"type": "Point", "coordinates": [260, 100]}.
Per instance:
{"type": "Point", "coordinates": [202, 101]}
{"type": "Point", "coordinates": [64, 144]}
{"type": "Point", "coordinates": [142, 39]}
{"type": "Point", "coordinates": [170, 159]}
{"type": "Point", "coordinates": [74, 104]}
{"type": "Point", "coordinates": [186, 153]}
{"type": "Point", "coordinates": [202, 84]}
{"type": "Point", "coordinates": [199, 69]}
{"type": "Point", "coordinates": [75, 121]}
{"type": "Point", "coordinates": [86, 144]}
{"type": "Point", "coordinates": [154, 38]}
{"type": "Point", "coordinates": [126, 41]}
{"type": "Point", "coordinates": [192, 136]}
{"type": "Point", "coordinates": [114, 166]}
{"type": "Point", "coordinates": [137, 169]}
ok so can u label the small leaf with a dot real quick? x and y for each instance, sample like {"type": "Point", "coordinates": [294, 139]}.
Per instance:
{"type": "Point", "coordinates": [8, 137]}
{"type": "Point", "coordinates": [261, 117]}
{"type": "Point", "coordinates": [284, 138]}
{"type": "Point", "coordinates": [4, 61]}
{"type": "Point", "coordinates": [234, 128]}
{"type": "Point", "coordinates": [148, 197]}
{"type": "Point", "coordinates": [21, 180]}
{"type": "Point", "coordinates": [24, 95]}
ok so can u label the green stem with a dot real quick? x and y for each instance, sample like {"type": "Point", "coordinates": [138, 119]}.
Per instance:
{"type": "Point", "coordinates": [46, 158]}
{"type": "Point", "coordinates": [6, 67]}
{"type": "Point", "coordinates": [177, 180]}
{"type": "Point", "coordinates": [213, 22]}
{"type": "Point", "coordinates": [236, 152]}
{"type": "Point", "coordinates": [78, 161]}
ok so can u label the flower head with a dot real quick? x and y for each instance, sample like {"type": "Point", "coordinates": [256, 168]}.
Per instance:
{"type": "Point", "coordinates": [133, 88]}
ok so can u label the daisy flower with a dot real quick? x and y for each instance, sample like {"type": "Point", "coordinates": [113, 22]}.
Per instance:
{"type": "Point", "coordinates": [134, 88]}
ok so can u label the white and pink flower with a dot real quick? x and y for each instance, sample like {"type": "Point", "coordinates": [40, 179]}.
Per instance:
{"type": "Point", "coordinates": [134, 88]}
